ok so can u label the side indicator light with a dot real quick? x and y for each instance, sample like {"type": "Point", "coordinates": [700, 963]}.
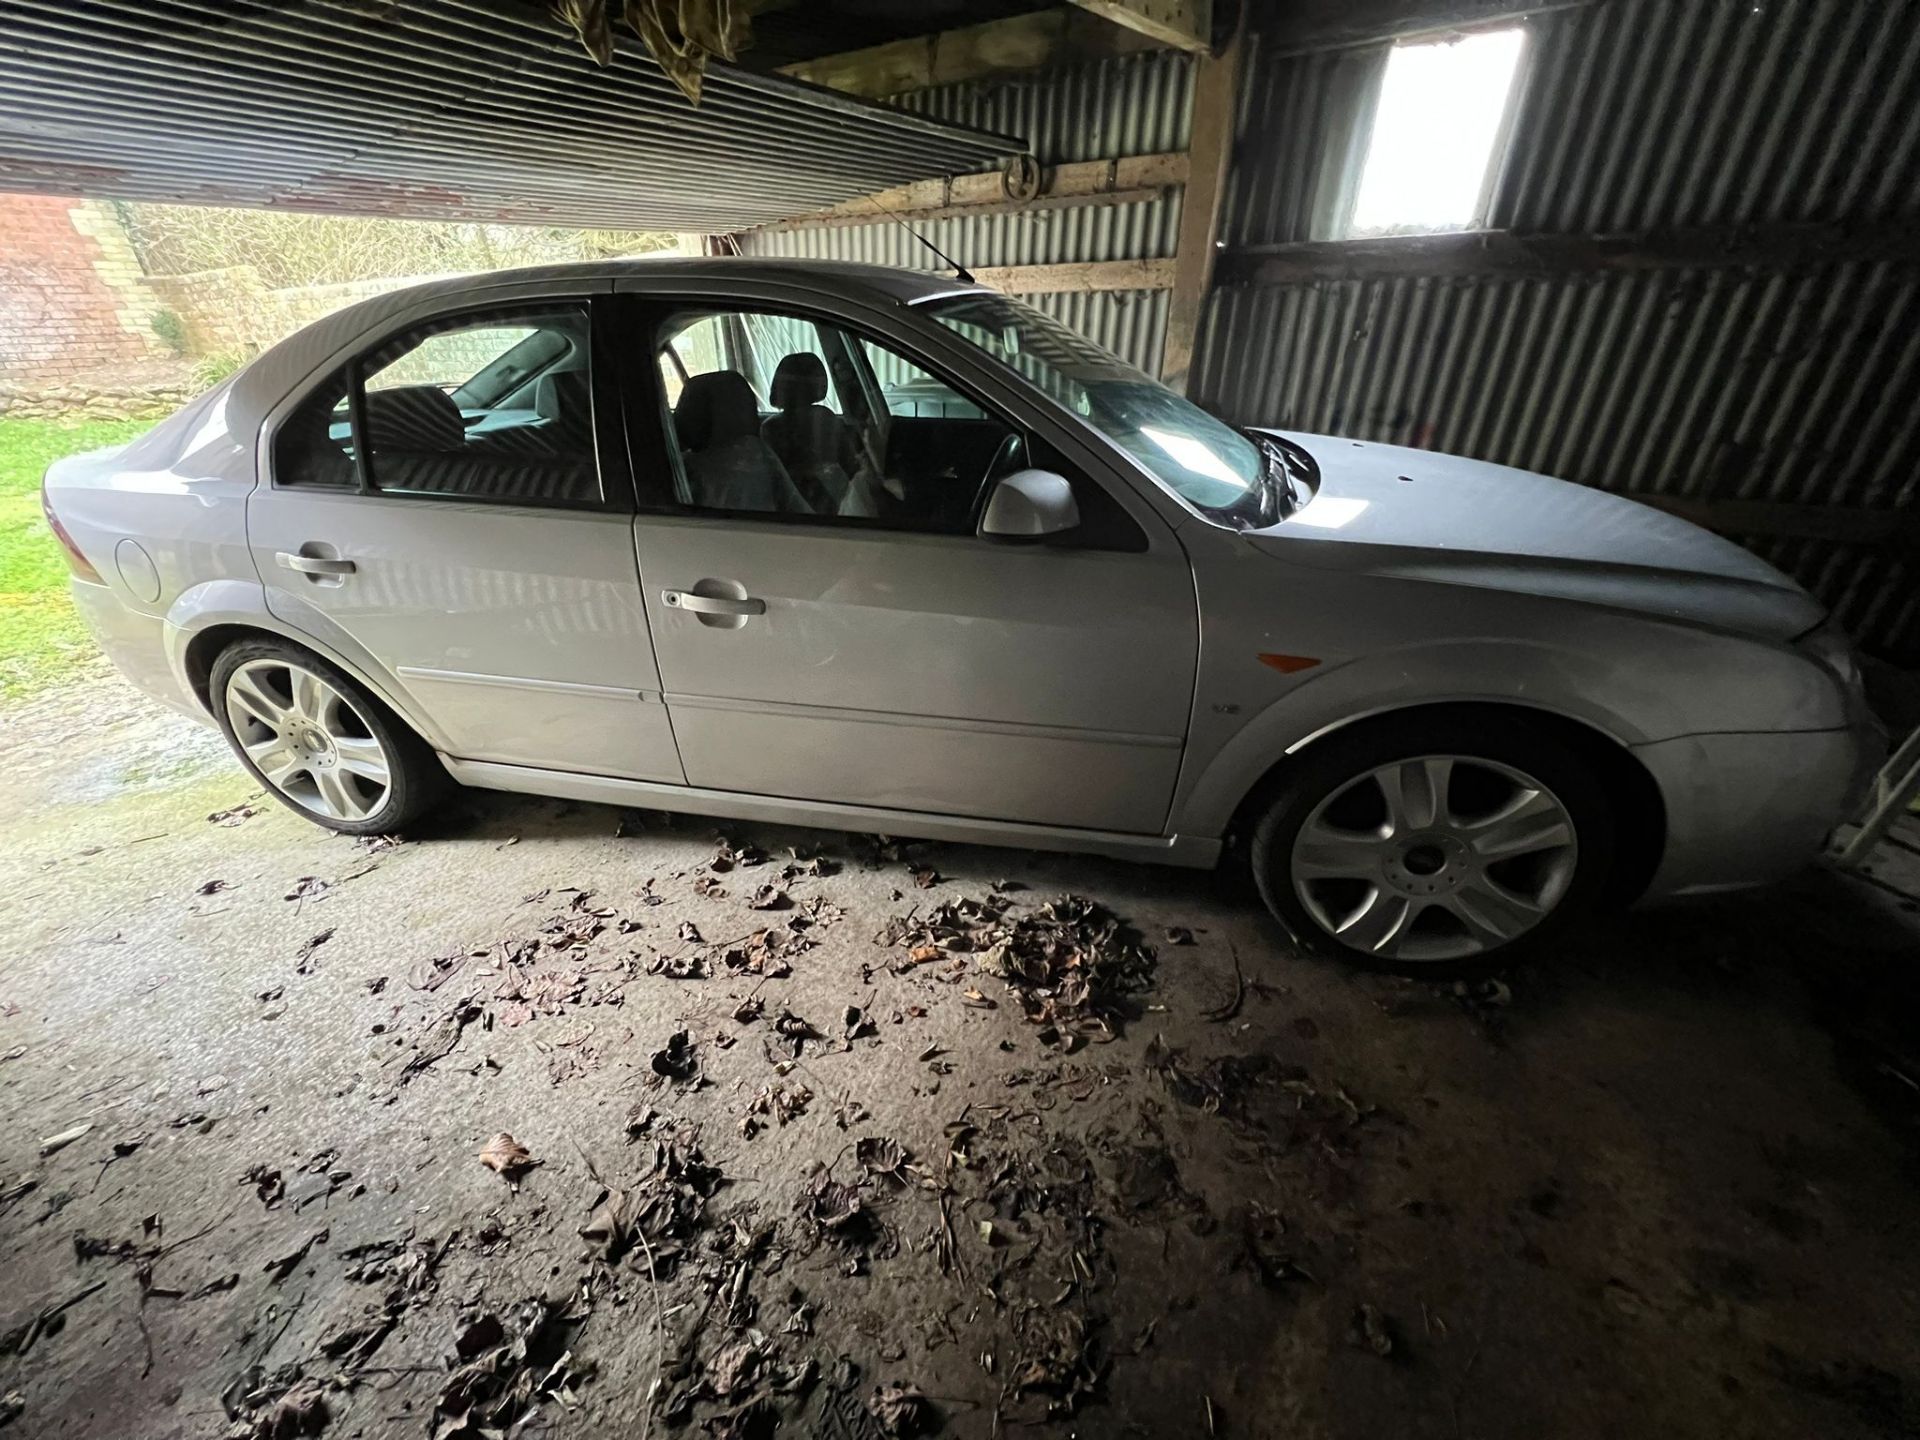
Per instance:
{"type": "Point", "coordinates": [1288, 664]}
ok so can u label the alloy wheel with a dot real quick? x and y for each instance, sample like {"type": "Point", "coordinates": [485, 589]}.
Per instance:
{"type": "Point", "coordinates": [308, 740]}
{"type": "Point", "coordinates": [1439, 857]}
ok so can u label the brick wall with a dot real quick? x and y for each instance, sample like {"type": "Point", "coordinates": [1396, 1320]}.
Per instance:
{"type": "Point", "coordinates": [72, 298]}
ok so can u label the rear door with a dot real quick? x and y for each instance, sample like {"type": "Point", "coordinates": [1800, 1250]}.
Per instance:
{"type": "Point", "coordinates": [895, 658]}
{"type": "Point", "coordinates": [450, 510]}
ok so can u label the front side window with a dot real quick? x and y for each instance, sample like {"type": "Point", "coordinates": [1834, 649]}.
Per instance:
{"type": "Point", "coordinates": [1205, 461]}
{"type": "Point", "coordinates": [784, 415]}
{"type": "Point", "coordinates": [496, 408]}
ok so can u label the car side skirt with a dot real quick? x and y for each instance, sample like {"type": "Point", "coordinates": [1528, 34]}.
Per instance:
{"type": "Point", "coordinates": [1189, 851]}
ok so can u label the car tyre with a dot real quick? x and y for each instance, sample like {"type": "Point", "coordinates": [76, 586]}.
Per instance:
{"type": "Point", "coordinates": [1439, 847]}
{"type": "Point", "coordinates": [320, 742]}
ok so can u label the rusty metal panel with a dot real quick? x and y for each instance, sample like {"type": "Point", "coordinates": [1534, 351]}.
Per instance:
{"type": "Point", "coordinates": [460, 109]}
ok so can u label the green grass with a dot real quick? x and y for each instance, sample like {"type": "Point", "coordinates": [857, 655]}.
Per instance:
{"type": "Point", "coordinates": [41, 638]}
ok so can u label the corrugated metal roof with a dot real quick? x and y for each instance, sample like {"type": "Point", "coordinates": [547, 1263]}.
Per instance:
{"type": "Point", "coordinates": [459, 109]}
{"type": "Point", "coordinates": [1128, 105]}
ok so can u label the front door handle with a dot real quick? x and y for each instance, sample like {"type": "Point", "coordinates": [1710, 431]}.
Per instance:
{"type": "Point", "coordinates": [712, 604]}
{"type": "Point", "coordinates": [313, 564]}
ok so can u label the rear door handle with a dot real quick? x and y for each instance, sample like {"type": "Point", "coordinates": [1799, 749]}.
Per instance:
{"type": "Point", "coordinates": [313, 564]}
{"type": "Point", "coordinates": [712, 604]}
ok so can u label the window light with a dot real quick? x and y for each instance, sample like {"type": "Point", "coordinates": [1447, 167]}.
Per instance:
{"type": "Point", "coordinates": [1442, 110]}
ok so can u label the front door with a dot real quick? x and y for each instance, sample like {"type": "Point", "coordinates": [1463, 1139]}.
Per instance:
{"type": "Point", "coordinates": [442, 511]}
{"type": "Point", "coordinates": [830, 626]}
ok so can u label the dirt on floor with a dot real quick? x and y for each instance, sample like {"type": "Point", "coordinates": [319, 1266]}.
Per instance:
{"type": "Point", "coordinates": [562, 1119]}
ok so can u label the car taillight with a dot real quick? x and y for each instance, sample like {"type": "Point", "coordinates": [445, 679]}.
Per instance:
{"type": "Point", "coordinates": [80, 565]}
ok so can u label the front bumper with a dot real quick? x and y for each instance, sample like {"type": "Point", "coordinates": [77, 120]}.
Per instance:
{"type": "Point", "coordinates": [1750, 809]}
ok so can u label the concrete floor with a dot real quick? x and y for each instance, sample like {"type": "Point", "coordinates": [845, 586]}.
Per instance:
{"type": "Point", "coordinates": [1662, 1187]}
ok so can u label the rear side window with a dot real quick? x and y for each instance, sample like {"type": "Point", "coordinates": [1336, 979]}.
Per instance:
{"type": "Point", "coordinates": [494, 408]}
{"type": "Point", "coordinates": [485, 409]}
{"type": "Point", "coordinates": [315, 445]}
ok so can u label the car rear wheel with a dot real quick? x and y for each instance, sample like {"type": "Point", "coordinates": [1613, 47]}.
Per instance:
{"type": "Point", "coordinates": [320, 743]}
{"type": "Point", "coordinates": [1439, 848]}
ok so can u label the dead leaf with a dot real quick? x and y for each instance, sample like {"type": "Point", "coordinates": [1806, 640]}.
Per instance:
{"type": "Point", "coordinates": [308, 887]}
{"type": "Point", "coordinates": [278, 1269]}
{"type": "Point", "coordinates": [211, 887]}
{"type": "Point", "coordinates": [507, 1157]}
{"type": "Point", "coordinates": [1372, 1330]}
{"type": "Point", "coordinates": [881, 1157]}
{"type": "Point", "coordinates": [769, 897]}
{"type": "Point", "coordinates": [303, 957]}
{"type": "Point", "coordinates": [901, 1410]}
{"type": "Point", "coordinates": [267, 1183]}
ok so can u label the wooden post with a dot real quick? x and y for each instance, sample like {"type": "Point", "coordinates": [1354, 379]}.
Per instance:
{"type": "Point", "coordinates": [1216, 107]}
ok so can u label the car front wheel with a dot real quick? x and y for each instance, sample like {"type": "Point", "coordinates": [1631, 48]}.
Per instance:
{"type": "Point", "coordinates": [1435, 847]}
{"type": "Point", "coordinates": [319, 742]}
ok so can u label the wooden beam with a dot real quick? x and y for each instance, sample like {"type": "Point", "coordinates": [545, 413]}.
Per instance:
{"type": "Point", "coordinates": [1500, 253]}
{"type": "Point", "coordinates": [1216, 106]}
{"type": "Point", "coordinates": [976, 52]}
{"type": "Point", "coordinates": [1183, 24]}
{"type": "Point", "coordinates": [1090, 275]}
{"type": "Point", "coordinates": [1086, 182]}
{"type": "Point", "coordinates": [1300, 26]}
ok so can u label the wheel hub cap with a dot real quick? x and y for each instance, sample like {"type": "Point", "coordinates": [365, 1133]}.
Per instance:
{"type": "Point", "coordinates": [308, 740]}
{"type": "Point", "coordinates": [1436, 858]}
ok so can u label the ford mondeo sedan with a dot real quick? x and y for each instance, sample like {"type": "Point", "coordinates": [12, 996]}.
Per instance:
{"type": "Point", "coordinates": [877, 550]}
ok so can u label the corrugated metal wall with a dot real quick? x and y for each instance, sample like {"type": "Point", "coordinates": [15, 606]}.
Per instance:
{"type": "Point", "coordinates": [1714, 384]}
{"type": "Point", "coordinates": [1133, 105]}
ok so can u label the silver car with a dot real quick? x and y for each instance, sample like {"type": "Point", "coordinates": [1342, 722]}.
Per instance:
{"type": "Point", "coordinates": [876, 550]}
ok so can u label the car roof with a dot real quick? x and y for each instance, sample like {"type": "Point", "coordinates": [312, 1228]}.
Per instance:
{"type": "Point", "coordinates": [287, 364]}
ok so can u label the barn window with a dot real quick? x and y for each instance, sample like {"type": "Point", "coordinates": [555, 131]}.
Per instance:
{"type": "Point", "coordinates": [1440, 118]}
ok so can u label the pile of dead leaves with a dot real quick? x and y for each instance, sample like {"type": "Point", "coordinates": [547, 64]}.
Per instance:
{"type": "Point", "coordinates": [1071, 964]}
{"type": "Point", "coordinates": [506, 1369]}
{"type": "Point", "coordinates": [656, 1221]}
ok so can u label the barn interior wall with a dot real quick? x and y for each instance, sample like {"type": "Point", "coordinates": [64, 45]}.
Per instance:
{"type": "Point", "coordinates": [1787, 388]}
{"type": "Point", "coordinates": [1791, 384]}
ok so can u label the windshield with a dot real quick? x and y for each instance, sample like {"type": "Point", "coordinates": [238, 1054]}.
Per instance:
{"type": "Point", "coordinates": [1206, 462]}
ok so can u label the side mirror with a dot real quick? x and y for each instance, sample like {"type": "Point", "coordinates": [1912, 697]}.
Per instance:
{"type": "Point", "coordinates": [1029, 505]}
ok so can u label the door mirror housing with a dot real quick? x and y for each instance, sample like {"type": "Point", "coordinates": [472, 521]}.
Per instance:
{"type": "Point", "coordinates": [1030, 505]}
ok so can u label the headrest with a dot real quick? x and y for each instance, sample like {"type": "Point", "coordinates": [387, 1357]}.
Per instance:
{"type": "Point", "coordinates": [716, 408]}
{"type": "Point", "coordinates": [414, 417]}
{"type": "Point", "coordinates": [564, 396]}
{"type": "Point", "coordinates": [801, 379]}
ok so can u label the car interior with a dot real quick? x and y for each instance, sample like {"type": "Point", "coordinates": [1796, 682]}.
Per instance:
{"type": "Point", "coordinates": [770, 414]}
{"type": "Point", "coordinates": [781, 415]}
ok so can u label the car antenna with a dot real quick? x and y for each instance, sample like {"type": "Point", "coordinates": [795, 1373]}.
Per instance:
{"type": "Point", "coordinates": [961, 273]}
